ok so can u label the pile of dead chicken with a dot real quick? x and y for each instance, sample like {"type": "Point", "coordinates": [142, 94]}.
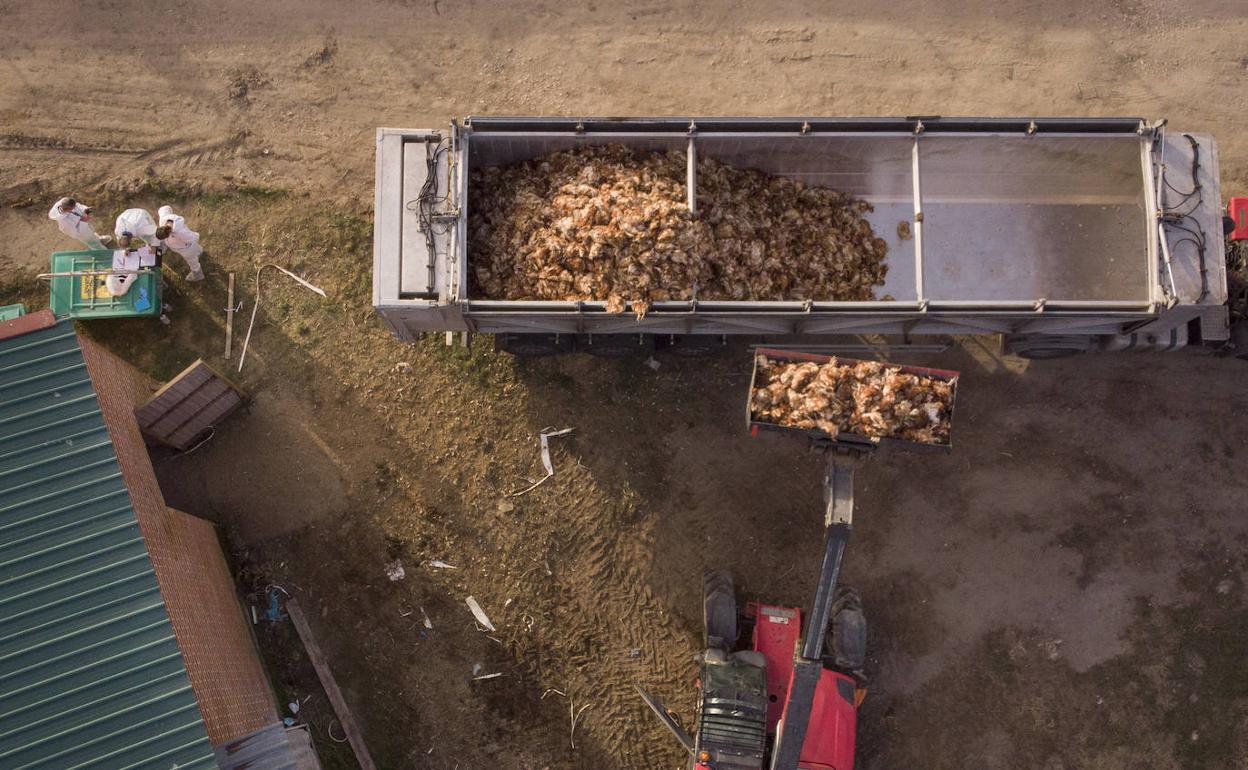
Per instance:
{"type": "Point", "coordinates": [610, 223]}
{"type": "Point", "coordinates": [866, 398]}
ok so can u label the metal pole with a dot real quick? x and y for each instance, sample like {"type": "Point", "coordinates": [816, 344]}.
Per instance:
{"type": "Point", "coordinates": [691, 178]}
{"type": "Point", "coordinates": [918, 224]}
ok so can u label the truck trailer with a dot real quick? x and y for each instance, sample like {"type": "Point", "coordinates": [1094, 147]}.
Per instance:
{"type": "Point", "coordinates": [1059, 235]}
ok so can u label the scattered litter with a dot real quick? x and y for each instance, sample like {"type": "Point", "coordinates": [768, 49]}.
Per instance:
{"type": "Point", "coordinates": [441, 564]}
{"type": "Point", "coordinates": [476, 668]}
{"type": "Point", "coordinates": [428, 622]}
{"type": "Point", "coordinates": [288, 721]}
{"type": "Point", "coordinates": [544, 438]}
{"type": "Point", "coordinates": [487, 676]}
{"type": "Point", "coordinates": [405, 614]}
{"type": "Point", "coordinates": [653, 363]}
{"type": "Point", "coordinates": [329, 730]}
{"type": "Point", "coordinates": [575, 714]}
{"type": "Point", "coordinates": [395, 571]}
{"type": "Point", "coordinates": [507, 603]}
{"type": "Point", "coordinates": [528, 621]}
{"type": "Point", "coordinates": [293, 706]}
{"type": "Point", "coordinates": [403, 366]}
{"type": "Point", "coordinates": [274, 612]}
{"type": "Point", "coordinates": [634, 653]}
{"type": "Point", "coordinates": [479, 614]}
{"type": "Point", "coordinates": [242, 356]}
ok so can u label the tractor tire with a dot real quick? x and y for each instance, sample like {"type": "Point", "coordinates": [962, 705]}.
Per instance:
{"type": "Point", "coordinates": [846, 643]}
{"type": "Point", "coordinates": [719, 610]}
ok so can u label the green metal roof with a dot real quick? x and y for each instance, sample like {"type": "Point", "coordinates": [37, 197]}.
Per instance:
{"type": "Point", "coordinates": [91, 675]}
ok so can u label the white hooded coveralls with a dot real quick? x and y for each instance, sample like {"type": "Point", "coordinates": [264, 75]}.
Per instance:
{"type": "Point", "coordinates": [138, 224]}
{"type": "Point", "coordinates": [71, 223]}
{"type": "Point", "coordinates": [182, 239]}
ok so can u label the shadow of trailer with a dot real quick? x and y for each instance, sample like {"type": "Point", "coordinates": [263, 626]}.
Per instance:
{"type": "Point", "coordinates": [1060, 235]}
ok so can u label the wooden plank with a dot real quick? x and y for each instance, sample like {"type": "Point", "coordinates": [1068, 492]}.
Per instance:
{"type": "Point", "coordinates": [354, 736]}
{"type": "Point", "coordinates": [229, 319]}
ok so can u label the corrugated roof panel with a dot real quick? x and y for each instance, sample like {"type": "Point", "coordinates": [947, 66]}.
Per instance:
{"type": "Point", "coordinates": [90, 672]}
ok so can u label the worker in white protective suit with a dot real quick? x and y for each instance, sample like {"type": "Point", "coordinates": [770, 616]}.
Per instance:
{"type": "Point", "coordinates": [73, 218]}
{"type": "Point", "coordinates": [174, 233]}
{"type": "Point", "coordinates": [127, 262]}
{"type": "Point", "coordinates": [136, 224]}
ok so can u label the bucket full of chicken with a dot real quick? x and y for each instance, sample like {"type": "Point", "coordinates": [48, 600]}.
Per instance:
{"type": "Point", "coordinates": [851, 403]}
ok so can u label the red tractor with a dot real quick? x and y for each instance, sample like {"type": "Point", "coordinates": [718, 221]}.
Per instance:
{"type": "Point", "coordinates": [773, 697]}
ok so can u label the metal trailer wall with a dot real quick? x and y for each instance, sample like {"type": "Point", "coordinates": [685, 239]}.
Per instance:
{"type": "Point", "coordinates": [1034, 229]}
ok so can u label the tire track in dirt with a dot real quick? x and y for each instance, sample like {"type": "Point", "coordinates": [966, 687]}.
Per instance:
{"type": "Point", "coordinates": [598, 626]}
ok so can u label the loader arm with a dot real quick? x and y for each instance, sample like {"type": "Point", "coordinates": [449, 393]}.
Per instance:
{"type": "Point", "coordinates": [838, 492]}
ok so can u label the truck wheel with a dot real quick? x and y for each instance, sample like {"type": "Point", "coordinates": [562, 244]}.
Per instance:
{"type": "Point", "coordinates": [1046, 348]}
{"type": "Point", "coordinates": [696, 345]}
{"type": "Point", "coordinates": [616, 345]}
{"type": "Point", "coordinates": [532, 345]}
{"type": "Point", "coordinates": [719, 609]}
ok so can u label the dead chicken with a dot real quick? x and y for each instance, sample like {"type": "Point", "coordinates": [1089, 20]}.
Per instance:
{"type": "Point", "coordinates": [609, 223]}
{"type": "Point", "coordinates": [866, 398]}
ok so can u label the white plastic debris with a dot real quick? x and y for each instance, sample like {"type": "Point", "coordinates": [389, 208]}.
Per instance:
{"type": "Point", "coordinates": [476, 668]}
{"type": "Point", "coordinates": [544, 438]}
{"type": "Point", "coordinates": [487, 676]}
{"type": "Point", "coordinates": [395, 571]}
{"type": "Point", "coordinates": [293, 706]}
{"type": "Point", "coordinates": [441, 564]}
{"type": "Point", "coordinates": [479, 614]}
{"type": "Point", "coordinates": [653, 363]}
{"type": "Point", "coordinates": [428, 622]}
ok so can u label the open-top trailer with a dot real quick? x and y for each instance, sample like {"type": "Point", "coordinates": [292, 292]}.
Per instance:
{"type": "Point", "coordinates": [1060, 235]}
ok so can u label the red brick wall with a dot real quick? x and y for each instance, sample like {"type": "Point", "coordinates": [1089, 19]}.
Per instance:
{"type": "Point", "coordinates": [221, 659]}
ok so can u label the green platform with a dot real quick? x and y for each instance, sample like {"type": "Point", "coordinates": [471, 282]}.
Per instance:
{"type": "Point", "coordinates": [9, 312]}
{"type": "Point", "coordinates": [85, 296]}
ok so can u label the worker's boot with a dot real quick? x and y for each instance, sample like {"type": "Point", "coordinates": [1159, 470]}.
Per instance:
{"type": "Point", "coordinates": [195, 275]}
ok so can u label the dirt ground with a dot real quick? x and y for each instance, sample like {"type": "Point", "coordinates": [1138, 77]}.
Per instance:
{"type": "Point", "coordinates": [1065, 590]}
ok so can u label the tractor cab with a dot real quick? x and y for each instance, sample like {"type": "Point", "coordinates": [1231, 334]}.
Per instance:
{"type": "Point", "coordinates": [747, 694]}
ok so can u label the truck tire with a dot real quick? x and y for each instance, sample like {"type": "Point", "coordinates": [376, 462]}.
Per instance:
{"type": "Point", "coordinates": [532, 345]}
{"type": "Point", "coordinates": [719, 610]}
{"type": "Point", "coordinates": [1046, 348]}
{"type": "Point", "coordinates": [616, 345]}
{"type": "Point", "coordinates": [695, 345]}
